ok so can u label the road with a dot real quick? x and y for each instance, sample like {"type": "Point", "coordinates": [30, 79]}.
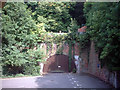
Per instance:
{"type": "Point", "coordinates": [55, 80]}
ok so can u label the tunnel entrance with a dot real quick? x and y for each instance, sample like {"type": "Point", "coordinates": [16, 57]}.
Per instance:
{"type": "Point", "coordinates": [58, 63]}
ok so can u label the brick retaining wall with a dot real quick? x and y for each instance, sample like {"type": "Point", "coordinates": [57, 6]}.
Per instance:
{"type": "Point", "coordinates": [90, 63]}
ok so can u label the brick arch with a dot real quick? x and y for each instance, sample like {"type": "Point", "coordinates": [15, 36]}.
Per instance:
{"type": "Point", "coordinates": [58, 62]}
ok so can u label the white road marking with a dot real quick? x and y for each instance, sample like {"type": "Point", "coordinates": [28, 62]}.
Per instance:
{"type": "Point", "coordinates": [78, 85]}
{"type": "Point", "coordinates": [75, 87]}
{"type": "Point", "coordinates": [74, 81]}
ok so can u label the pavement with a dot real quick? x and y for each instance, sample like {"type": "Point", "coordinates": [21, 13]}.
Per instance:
{"type": "Point", "coordinates": [55, 80]}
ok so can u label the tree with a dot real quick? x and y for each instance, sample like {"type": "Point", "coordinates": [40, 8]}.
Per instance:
{"type": "Point", "coordinates": [102, 26]}
{"type": "Point", "coordinates": [77, 13]}
{"type": "Point", "coordinates": [17, 27]}
{"type": "Point", "coordinates": [54, 15]}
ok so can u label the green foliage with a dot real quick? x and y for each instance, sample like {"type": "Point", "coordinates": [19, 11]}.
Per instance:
{"type": "Point", "coordinates": [70, 39]}
{"type": "Point", "coordinates": [74, 70]}
{"type": "Point", "coordinates": [60, 49]}
{"type": "Point", "coordinates": [14, 58]}
{"type": "Point", "coordinates": [18, 40]}
{"type": "Point", "coordinates": [54, 15]}
{"type": "Point", "coordinates": [72, 35]}
{"type": "Point", "coordinates": [75, 37]}
{"type": "Point", "coordinates": [47, 37]}
{"type": "Point", "coordinates": [19, 75]}
{"type": "Point", "coordinates": [73, 26]}
{"type": "Point", "coordinates": [70, 55]}
{"type": "Point", "coordinates": [102, 27]}
{"type": "Point", "coordinates": [59, 38]}
{"type": "Point", "coordinates": [77, 12]}
{"type": "Point", "coordinates": [36, 55]}
{"type": "Point", "coordinates": [17, 25]}
{"type": "Point", "coordinates": [31, 69]}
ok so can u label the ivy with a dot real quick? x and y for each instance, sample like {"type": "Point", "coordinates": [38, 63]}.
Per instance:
{"type": "Point", "coordinates": [102, 27]}
{"type": "Point", "coordinates": [75, 37]}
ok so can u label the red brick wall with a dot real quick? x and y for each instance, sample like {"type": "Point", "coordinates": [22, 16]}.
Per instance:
{"type": "Point", "coordinates": [66, 49]}
{"type": "Point", "coordinates": [90, 66]}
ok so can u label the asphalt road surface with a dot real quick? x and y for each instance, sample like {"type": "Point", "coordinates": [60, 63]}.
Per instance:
{"type": "Point", "coordinates": [55, 80]}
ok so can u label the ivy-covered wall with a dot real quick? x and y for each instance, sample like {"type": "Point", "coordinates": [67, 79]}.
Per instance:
{"type": "Point", "coordinates": [91, 64]}
{"type": "Point", "coordinates": [89, 60]}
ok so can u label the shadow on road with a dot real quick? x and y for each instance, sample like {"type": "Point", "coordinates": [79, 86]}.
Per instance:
{"type": "Point", "coordinates": [47, 81]}
{"type": "Point", "coordinates": [69, 80]}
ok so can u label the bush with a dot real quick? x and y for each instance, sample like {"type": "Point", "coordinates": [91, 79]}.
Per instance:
{"type": "Point", "coordinates": [19, 75]}
{"type": "Point", "coordinates": [74, 70]}
{"type": "Point", "coordinates": [31, 69]}
{"type": "Point", "coordinates": [102, 26]}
